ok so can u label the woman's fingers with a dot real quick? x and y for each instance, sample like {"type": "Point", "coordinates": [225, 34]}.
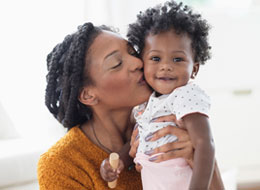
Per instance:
{"type": "Point", "coordinates": [173, 146]}
{"type": "Point", "coordinates": [173, 150]}
{"type": "Point", "coordinates": [160, 133]}
{"type": "Point", "coordinates": [167, 118]}
{"type": "Point", "coordinates": [182, 147]}
{"type": "Point", "coordinates": [185, 153]}
{"type": "Point", "coordinates": [138, 167]}
{"type": "Point", "coordinates": [170, 118]}
{"type": "Point", "coordinates": [181, 134]}
{"type": "Point", "coordinates": [133, 148]}
{"type": "Point", "coordinates": [134, 134]}
{"type": "Point", "coordinates": [134, 143]}
{"type": "Point", "coordinates": [190, 162]}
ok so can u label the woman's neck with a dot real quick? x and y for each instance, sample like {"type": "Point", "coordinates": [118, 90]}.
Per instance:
{"type": "Point", "coordinates": [109, 130]}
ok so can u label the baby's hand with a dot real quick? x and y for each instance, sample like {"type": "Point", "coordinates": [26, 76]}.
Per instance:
{"type": "Point", "coordinates": [109, 174]}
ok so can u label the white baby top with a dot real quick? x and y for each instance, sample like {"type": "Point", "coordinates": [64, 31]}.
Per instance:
{"type": "Point", "coordinates": [182, 101]}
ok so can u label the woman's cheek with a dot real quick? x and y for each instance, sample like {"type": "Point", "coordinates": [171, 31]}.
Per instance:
{"type": "Point", "coordinates": [115, 85]}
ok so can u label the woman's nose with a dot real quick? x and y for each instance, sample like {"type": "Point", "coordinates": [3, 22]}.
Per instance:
{"type": "Point", "coordinates": [136, 64]}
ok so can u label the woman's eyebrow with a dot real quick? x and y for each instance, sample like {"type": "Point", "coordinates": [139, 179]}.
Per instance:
{"type": "Point", "coordinates": [110, 54]}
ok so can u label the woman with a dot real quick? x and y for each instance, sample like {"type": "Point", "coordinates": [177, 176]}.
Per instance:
{"type": "Point", "coordinates": [94, 81]}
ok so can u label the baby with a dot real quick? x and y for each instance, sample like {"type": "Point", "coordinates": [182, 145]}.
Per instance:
{"type": "Point", "coordinates": [172, 42]}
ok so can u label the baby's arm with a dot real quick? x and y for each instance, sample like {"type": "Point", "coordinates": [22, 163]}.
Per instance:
{"type": "Point", "coordinates": [199, 130]}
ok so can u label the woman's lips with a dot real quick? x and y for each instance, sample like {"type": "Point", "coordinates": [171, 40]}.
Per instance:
{"type": "Point", "coordinates": [141, 80]}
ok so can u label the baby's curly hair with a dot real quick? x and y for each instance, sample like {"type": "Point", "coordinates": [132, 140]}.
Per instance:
{"type": "Point", "coordinates": [68, 72]}
{"type": "Point", "coordinates": [169, 16]}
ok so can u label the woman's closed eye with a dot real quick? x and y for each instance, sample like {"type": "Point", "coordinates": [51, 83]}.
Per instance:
{"type": "Point", "coordinates": [117, 65]}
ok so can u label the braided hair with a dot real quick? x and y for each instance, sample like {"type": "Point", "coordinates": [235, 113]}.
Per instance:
{"type": "Point", "coordinates": [172, 15]}
{"type": "Point", "coordinates": [67, 66]}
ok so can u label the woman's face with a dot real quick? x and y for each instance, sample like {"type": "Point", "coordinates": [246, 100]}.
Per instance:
{"type": "Point", "coordinates": [116, 73]}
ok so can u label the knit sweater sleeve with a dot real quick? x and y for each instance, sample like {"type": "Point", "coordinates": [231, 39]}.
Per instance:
{"type": "Point", "coordinates": [73, 163]}
{"type": "Point", "coordinates": [57, 174]}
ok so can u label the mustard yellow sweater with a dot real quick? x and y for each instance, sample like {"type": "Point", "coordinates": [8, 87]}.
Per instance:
{"type": "Point", "coordinates": [73, 163]}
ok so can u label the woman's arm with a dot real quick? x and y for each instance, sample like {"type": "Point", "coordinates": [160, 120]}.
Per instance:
{"type": "Point", "coordinates": [204, 155]}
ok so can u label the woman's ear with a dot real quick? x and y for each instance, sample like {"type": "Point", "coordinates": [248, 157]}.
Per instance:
{"type": "Point", "coordinates": [87, 96]}
{"type": "Point", "coordinates": [195, 70]}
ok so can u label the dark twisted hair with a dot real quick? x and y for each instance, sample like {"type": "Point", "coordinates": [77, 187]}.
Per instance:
{"type": "Point", "coordinates": [67, 72]}
{"type": "Point", "coordinates": [169, 16]}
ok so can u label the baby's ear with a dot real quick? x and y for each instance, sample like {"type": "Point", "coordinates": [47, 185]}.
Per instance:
{"type": "Point", "coordinates": [87, 96]}
{"type": "Point", "coordinates": [195, 70]}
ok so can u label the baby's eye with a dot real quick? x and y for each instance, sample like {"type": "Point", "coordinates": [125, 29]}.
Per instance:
{"type": "Point", "coordinates": [155, 58]}
{"type": "Point", "coordinates": [177, 59]}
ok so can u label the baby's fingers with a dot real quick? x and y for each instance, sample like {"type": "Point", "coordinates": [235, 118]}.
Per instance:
{"type": "Point", "coordinates": [120, 167]}
{"type": "Point", "coordinates": [106, 172]}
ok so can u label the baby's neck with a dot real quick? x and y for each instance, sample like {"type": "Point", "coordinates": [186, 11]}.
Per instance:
{"type": "Point", "coordinates": [157, 94]}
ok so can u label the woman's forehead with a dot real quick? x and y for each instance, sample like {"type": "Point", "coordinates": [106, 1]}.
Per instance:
{"type": "Point", "coordinates": [109, 37]}
{"type": "Point", "coordinates": [107, 42]}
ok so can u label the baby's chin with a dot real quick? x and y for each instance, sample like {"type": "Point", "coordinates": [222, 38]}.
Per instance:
{"type": "Point", "coordinates": [159, 92]}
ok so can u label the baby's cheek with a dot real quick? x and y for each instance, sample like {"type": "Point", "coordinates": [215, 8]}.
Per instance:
{"type": "Point", "coordinates": [149, 72]}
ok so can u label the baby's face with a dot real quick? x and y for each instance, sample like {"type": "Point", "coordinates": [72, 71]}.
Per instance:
{"type": "Point", "coordinates": [168, 61]}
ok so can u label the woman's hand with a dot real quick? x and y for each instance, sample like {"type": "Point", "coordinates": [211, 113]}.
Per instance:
{"type": "Point", "coordinates": [180, 148]}
{"type": "Point", "coordinates": [134, 143]}
{"type": "Point", "coordinates": [108, 173]}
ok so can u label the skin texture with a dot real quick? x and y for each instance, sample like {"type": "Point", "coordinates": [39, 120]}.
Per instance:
{"type": "Point", "coordinates": [118, 86]}
{"type": "Point", "coordinates": [169, 64]}
{"type": "Point", "coordinates": [204, 151]}
{"type": "Point", "coordinates": [168, 61]}
{"type": "Point", "coordinates": [176, 59]}
{"type": "Point", "coordinates": [181, 148]}
{"type": "Point", "coordinates": [116, 75]}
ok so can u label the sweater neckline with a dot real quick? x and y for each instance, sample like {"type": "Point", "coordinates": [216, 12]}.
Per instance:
{"type": "Point", "coordinates": [81, 135]}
